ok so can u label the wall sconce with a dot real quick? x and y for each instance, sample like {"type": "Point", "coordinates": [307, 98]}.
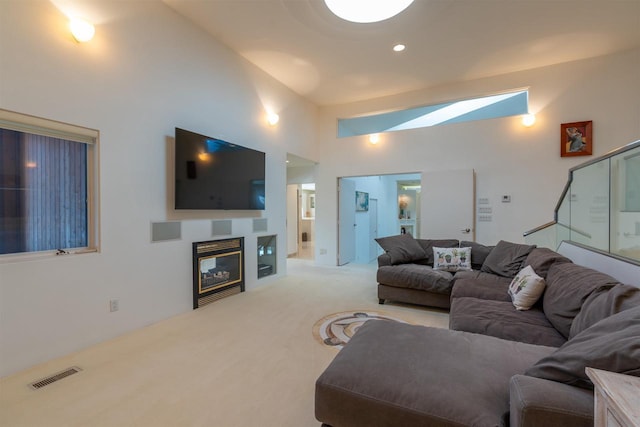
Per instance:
{"type": "Point", "coordinates": [528, 120]}
{"type": "Point", "coordinates": [82, 30]}
{"type": "Point", "coordinates": [374, 138]}
{"type": "Point", "coordinates": [272, 118]}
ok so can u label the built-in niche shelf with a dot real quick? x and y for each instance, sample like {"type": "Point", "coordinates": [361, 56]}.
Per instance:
{"type": "Point", "coordinates": [267, 256]}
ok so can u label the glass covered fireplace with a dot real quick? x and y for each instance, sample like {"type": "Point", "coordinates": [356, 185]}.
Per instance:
{"type": "Point", "coordinates": [218, 270]}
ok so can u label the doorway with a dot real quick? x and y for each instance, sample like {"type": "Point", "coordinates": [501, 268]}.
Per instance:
{"type": "Point", "coordinates": [301, 207]}
{"type": "Point", "coordinates": [420, 204]}
{"type": "Point", "coordinates": [359, 225]}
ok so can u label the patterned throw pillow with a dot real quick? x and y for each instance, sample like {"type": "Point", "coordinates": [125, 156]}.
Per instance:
{"type": "Point", "coordinates": [526, 288]}
{"type": "Point", "coordinates": [451, 259]}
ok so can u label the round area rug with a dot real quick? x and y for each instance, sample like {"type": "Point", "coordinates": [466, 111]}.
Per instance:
{"type": "Point", "coordinates": [335, 330]}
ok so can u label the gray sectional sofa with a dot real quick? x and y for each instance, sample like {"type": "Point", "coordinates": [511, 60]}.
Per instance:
{"type": "Point", "coordinates": [495, 365]}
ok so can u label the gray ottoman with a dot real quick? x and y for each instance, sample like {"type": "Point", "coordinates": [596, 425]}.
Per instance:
{"type": "Point", "coordinates": [393, 374]}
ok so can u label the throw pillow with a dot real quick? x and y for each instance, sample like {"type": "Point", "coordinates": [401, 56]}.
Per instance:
{"type": "Point", "coordinates": [526, 288]}
{"type": "Point", "coordinates": [402, 248]}
{"type": "Point", "coordinates": [612, 344]}
{"type": "Point", "coordinates": [506, 259]}
{"type": "Point", "coordinates": [452, 259]}
{"type": "Point", "coordinates": [429, 244]}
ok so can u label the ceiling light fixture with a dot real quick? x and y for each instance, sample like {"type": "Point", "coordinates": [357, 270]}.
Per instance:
{"type": "Point", "coordinates": [374, 138]}
{"type": "Point", "coordinates": [366, 11]}
{"type": "Point", "coordinates": [82, 30]}
{"type": "Point", "coordinates": [399, 47]}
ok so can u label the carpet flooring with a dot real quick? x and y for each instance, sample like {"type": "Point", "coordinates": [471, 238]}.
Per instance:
{"type": "Point", "coordinates": [247, 360]}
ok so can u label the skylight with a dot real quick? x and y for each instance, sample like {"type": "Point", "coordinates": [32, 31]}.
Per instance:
{"type": "Point", "coordinates": [488, 107]}
{"type": "Point", "coordinates": [367, 11]}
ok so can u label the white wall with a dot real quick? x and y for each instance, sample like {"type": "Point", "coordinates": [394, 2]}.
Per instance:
{"type": "Point", "coordinates": [147, 71]}
{"type": "Point", "coordinates": [508, 159]}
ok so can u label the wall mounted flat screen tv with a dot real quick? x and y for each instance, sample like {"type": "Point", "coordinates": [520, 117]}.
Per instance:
{"type": "Point", "coordinates": [214, 174]}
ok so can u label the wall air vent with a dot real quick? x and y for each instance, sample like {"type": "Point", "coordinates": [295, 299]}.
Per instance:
{"type": "Point", "coordinates": [55, 377]}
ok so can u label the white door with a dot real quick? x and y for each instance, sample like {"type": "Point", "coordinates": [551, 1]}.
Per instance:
{"type": "Point", "coordinates": [373, 229]}
{"type": "Point", "coordinates": [292, 219]}
{"type": "Point", "coordinates": [346, 221]}
{"type": "Point", "coordinates": [448, 201]}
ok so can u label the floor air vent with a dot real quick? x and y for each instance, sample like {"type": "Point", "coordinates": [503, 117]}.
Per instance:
{"type": "Point", "coordinates": [55, 377]}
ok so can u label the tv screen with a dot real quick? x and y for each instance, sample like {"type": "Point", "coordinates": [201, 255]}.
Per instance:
{"type": "Point", "coordinates": [214, 174]}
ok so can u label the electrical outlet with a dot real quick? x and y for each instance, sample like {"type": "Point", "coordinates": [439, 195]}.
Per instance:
{"type": "Point", "coordinates": [323, 251]}
{"type": "Point", "coordinates": [114, 305]}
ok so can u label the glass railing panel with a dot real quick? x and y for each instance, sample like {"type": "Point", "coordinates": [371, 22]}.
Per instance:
{"type": "Point", "coordinates": [563, 232]}
{"type": "Point", "coordinates": [564, 210]}
{"type": "Point", "coordinates": [545, 237]}
{"type": "Point", "coordinates": [625, 204]}
{"type": "Point", "coordinates": [599, 207]}
{"type": "Point", "coordinates": [589, 197]}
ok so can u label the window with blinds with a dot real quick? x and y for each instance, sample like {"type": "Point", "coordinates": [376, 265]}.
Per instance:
{"type": "Point", "coordinates": [48, 186]}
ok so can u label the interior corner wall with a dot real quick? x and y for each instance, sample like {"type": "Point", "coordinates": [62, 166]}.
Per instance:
{"type": "Point", "coordinates": [508, 158]}
{"type": "Point", "coordinates": [147, 71]}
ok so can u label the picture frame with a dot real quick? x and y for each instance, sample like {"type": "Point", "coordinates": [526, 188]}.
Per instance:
{"type": "Point", "coordinates": [576, 139]}
{"type": "Point", "coordinates": [362, 201]}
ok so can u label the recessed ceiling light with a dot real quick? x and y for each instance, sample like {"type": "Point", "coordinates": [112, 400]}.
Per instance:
{"type": "Point", "coordinates": [399, 47]}
{"type": "Point", "coordinates": [366, 11]}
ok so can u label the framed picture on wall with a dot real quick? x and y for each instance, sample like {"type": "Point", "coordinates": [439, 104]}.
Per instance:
{"type": "Point", "coordinates": [362, 201]}
{"type": "Point", "coordinates": [576, 139]}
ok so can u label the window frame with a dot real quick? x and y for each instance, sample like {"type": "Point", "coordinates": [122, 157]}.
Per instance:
{"type": "Point", "coordinates": [50, 128]}
{"type": "Point", "coordinates": [410, 118]}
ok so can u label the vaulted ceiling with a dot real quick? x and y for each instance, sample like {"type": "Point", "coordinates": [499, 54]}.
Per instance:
{"type": "Point", "coordinates": [332, 61]}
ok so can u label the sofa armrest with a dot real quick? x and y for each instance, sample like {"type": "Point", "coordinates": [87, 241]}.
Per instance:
{"type": "Point", "coordinates": [539, 402]}
{"type": "Point", "coordinates": [384, 259]}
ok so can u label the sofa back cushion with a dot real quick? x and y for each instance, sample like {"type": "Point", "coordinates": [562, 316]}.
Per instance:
{"type": "Point", "coordinates": [402, 248]}
{"type": "Point", "coordinates": [568, 286]}
{"type": "Point", "coordinates": [611, 344]}
{"type": "Point", "coordinates": [604, 302]}
{"type": "Point", "coordinates": [506, 259]}
{"type": "Point", "coordinates": [479, 253]}
{"type": "Point", "coordinates": [429, 244]}
{"type": "Point", "coordinates": [541, 259]}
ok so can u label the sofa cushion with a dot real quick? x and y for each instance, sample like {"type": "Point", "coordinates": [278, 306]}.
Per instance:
{"type": "Point", "coordinates": [568, 286]}
{"type": "Point", "coordinates": [452, 259]}
{"type": "Point", "coordinates": [477, 284]}
{"type": "Point", "coordinates": [429, 244]}
{"type": "Point", "coordinates": [479, 253]}
{"type": "Point", "coordinates": [604, 302]}
{"type": "Point", "coordinates": [537, 402]}
{"type": "Point", "coordinates": [506, 259]}
{"type": "Point", "coordinates": [393, 374]}
{"type": "Point", "coordinates": [501, 319]}
{"type": "Point", "coordinates": [541, 259]}
{"type": "Point", "coordinates": [612, 344]}
{"type": "Point", "coordinates": [526, 288]}
{"type": "Point", "coordinates": [401, 248]}
{"type": "Point", "coordinates": [415, 276]}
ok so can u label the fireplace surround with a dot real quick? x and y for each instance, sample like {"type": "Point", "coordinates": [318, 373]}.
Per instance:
{"type": "Point", "coordinates": [218, 270]}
